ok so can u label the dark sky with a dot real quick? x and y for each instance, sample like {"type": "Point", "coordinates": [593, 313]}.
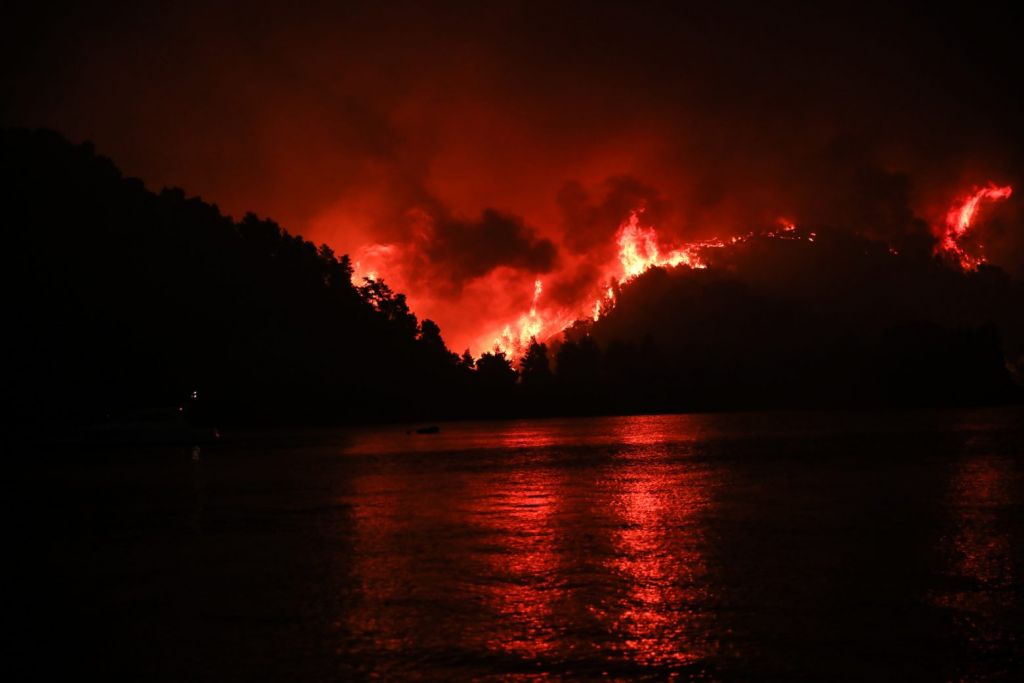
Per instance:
{"type": "Point", "coordinates": [486, 144]}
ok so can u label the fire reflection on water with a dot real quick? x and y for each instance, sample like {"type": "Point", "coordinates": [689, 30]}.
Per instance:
{"type": "Point", "coordinates": [662, 616]}
{"type": "Point", "coordinates": [516, 514]}
{"type": "Point", "coordinates": [522, 585]}
{"type": "Point", "coordinates": [536, 560]}
{"type": "Point", "coordinates": [977, 551]}
{"type": "Point", "coordinates": [646, 547]}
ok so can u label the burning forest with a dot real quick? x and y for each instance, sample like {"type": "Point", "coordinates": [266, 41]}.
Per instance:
{"type": "Point", "coordinates": [817, 211]}
{"type": "Point", "coordinates": [539, 340]}
{"type": "Point", "coordinates": [638, 248]}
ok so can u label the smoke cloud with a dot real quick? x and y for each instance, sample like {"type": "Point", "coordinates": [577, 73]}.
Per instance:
{"type": "Point", "coordinates": [462, 151]}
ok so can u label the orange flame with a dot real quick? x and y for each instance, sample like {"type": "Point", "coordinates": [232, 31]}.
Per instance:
{"type": "Point", "coordinates": [640, 248]}
{"type": "Point", "coordinates": [513, 342]}
{"type": "Point", "coordinates": [639, 252]}
{"type": "Point", "coordinates": [959, 220]}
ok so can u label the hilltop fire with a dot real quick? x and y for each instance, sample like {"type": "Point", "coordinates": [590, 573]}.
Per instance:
{"type": "Point", "coordinates": [960, 219]}
{"type": "Point", "coordinates": [638, 248]}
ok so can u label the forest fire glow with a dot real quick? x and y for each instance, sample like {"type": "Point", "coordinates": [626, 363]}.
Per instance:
{"type": "Point", "coordinates": [529, 326]}
{"type": "Point", "coordinates": [638, 252]}
{"type": "Point", "coordinates": [638, 248]}
{"type": "Point", "coordinates": [960, 219]}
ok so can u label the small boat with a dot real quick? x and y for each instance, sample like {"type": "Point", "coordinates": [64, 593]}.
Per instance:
{"type": "Point", "coordinates": [432, 429]}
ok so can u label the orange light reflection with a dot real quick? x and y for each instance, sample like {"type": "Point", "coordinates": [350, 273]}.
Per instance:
{"type": "Point", "coordinates": [662, 617]}
{"type": "Point", "coordinates": [978, 551]}
{"type": "Point", "coordinates": [523, 586]}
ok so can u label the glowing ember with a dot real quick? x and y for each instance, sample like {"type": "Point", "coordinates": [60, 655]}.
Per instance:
{"type": "Point", "coordinates": [959, 220]}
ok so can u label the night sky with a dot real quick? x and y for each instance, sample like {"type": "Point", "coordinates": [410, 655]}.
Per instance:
{"type": "Point", "coordinates": [463, 151]}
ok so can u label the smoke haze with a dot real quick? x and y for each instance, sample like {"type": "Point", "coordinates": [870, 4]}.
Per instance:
{"type": "Point", "coordinates": [461, 151]}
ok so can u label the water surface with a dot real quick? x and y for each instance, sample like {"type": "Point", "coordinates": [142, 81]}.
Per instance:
{"type": "Point", "coordinates": [840, 546]}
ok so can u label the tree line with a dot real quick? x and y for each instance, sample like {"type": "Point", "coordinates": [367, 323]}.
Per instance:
{"type": "Point", "coordinates": [118, 298]}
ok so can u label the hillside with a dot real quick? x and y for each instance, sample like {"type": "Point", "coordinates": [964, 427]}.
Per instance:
{"type": "Point", "coordinates": [120, 299]}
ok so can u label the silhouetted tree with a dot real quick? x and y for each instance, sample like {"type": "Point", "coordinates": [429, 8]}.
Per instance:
{"type": "Point", "coordinates": [578, 363]}
{"type": "Point", "coordinates": [393, 306]}
{"type": "Point", "coordinates": [534, 369]}
{"type": "Point", "coordinates": [495, 373]}
{"type": "Point", "coordinates": [433, 345]}
{"type": "Point", "coordinates": [150, 296]}
{"type": "Point", "coordinates": [119, 298]}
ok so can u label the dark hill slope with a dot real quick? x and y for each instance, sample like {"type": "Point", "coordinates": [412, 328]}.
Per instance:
{"type": "Point", "coordinates": [118, 298]}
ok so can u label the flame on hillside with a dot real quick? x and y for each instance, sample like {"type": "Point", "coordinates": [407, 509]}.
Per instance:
{"type": "Point", "coordinates": [639, 248]}
{"type": "Point", "coordinates": [961, 218]}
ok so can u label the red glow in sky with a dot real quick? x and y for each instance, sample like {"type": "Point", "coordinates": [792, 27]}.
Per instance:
{"type": "Point", "coordinates": [463, 156]}
{"type": "Point", "coordinates": [634, 248]}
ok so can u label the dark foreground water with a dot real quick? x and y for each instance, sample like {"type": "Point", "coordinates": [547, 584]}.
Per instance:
{"type": "Point", "coordinates": [722, 547]}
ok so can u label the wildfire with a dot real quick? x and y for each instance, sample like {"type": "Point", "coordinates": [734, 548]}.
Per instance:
{"type": "Point", "coordinates": [640, 248]}
{"type": "Point", "coordinates": [959, 220]}
{"type": "Point", "coordinates": [604, 304]}
{"type": "Point", "coordinates": [369, 260]}
{"type": "Point", "coordinates": [529, 327]}
{"type": "Point", "coordinates": [639, 252]}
